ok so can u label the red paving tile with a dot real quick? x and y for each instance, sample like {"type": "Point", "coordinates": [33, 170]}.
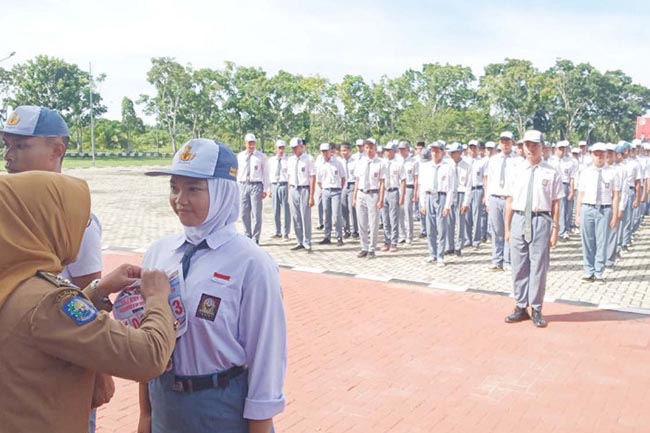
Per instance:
{"type": "Point", "coordinates": [366, 356]}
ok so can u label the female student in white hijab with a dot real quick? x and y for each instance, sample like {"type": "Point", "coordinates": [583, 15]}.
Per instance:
{"type": "Point", "coordinates": [228, 368]}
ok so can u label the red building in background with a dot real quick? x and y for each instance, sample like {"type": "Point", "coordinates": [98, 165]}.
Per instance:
{"type": "Point", "coordinates": [643, 128]}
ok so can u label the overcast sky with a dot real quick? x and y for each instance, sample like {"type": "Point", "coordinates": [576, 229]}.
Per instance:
{"type": "Point", "coordinates": [326, 37]}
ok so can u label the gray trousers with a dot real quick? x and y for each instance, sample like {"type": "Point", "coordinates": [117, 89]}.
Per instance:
{"type": "Point", "coordinates": [436, 224]}
{"type": "Point", "coordinates": [391, 212]}
{"type": "Point", "coordinates": [350, 224]}
{"type": "Point", "coordinates": [530, 260]}
{"type": "Point", "coordinates": [301, 214]}
{"type": "Point", "coordinates": [628, 218]}
{"type": "Point", "coordinates": [251, 209]}
{"type": "Point", "coordinates": [319, 202]}
{"type": "Point", "coordinates": [368, 219]}
{"type": "Point", "coordinates": [457, 233]}
{"type": "Point", "coordinates": [594, 222]}
{"type": "Point", "coordinates": [566, 208]}
{"type": "Point", "coordinates": [281, 207]}
{"type": "Point", "coordinates": [406, 216]}
{"type": "Point", "coordinates": [612, 244]}
{"type": "Point", "coordinates": [332, 212]}
{"type": "Point", "coordinates": [476, 210]}
{"type": "Point", "coordinates": [496, 216]}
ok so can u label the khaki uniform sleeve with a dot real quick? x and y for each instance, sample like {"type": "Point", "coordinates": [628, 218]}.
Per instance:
{"type": "Point", "coordinates": [66, 325]}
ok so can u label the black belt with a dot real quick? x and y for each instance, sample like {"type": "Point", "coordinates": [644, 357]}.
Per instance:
{"type": "Point", "coordinates": [370, 191]}
{"type": "Point", "coordinates": [545, 213]}
{"type": "Point", "coordinates": [392, 189]}
{"type": "Point", "coordinates": [281, 183]}
{"type": "Point", "coordinates": [301, 186]}
{"type": "Point", "coordinates": [632, 188]}
{"type": "Point", "coordinates": [598, 205]}
{"type": "Point", "coordinates": [332, 189]}
{"type": "Point", "coordinates": [410, 186]}
{"type": "Point", "coordinates": [199, 383]}
{"type": "Point", "coordinates": [502, 197]}
{"type": "Point", "coordinates": [248, 182]}
{"type": "Point", "coordinates": [350, 184]}
{"type": "Point", "coordinates": [476, 187]}
{"type": "Point", "coordinates": [439, 193]}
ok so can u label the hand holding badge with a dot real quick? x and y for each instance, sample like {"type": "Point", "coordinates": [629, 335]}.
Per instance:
{"type": "Point", "coordinates": [129, 306]}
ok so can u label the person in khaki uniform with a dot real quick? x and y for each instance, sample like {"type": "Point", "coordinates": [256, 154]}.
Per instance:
{"type": "Point", "coordinates": [53, 338]}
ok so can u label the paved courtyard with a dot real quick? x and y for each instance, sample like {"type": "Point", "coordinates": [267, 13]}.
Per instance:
{"type": "Point", "coordinates": [374, 357]}
{"type": "Point", "coordinates": [134, 211]}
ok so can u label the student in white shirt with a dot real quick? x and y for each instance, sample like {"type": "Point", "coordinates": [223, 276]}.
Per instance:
{"type": "Point", "coordinates": [279, 172]}
{"type": "Point", "coordinates": [253, 179]}
{"type": "Point", "coordinates": [228, 368]}
{"type": "Point", "coordinates": [369, 197]}
{"type": "Point", "coordinates": [330, 177]}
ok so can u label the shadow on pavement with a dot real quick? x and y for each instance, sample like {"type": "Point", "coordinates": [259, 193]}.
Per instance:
{"type": "Point", "coordinates": [595, 316]}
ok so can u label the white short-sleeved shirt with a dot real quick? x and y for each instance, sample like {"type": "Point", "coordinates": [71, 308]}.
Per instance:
{"type": "Point", "coordinates": [330, 173]}
{"type": "Point", "coordinates": [566, 166]}
{"type": "Point", "coordinates": [478, 170]}
{"type": "Point", "coordinates": [376, 173]}
{"type": "Point", "coordinates": [633, 171]}
{"type": "Point", "coordinates": [89, 259]}
{"type": "Point", "coordinates": [394, 173]}
{"type": "Point", "coordinates": [611, 182]}
{"type": "Point", "coordinates": [547, 186]}
{"type": "Point", "coordinates": [411, 169]}
{"type": "Point", "coordinates": [446, 180]}
{"type": "Point", "coordinates": [493, 172]}
{"type": "Point", "coordinates": [301, 169]}
{"type": "Point", "coordinates": [348, 167]}
{"type": "Point", "coordinates": [281, 173]}
{"type": "Point", "coordinates": [235, 316]}
{"type": "Point", "coordinates": [259, 171]}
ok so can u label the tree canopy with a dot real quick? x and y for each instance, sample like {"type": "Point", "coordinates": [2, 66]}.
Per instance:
{"type": "Point", "coordinates": [438, 101]}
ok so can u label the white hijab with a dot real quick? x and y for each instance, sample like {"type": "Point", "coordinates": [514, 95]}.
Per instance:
{"type": "Point", "coordinates": [219, 225]}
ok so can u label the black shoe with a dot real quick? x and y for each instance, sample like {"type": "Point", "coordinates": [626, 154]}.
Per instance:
{"type": "Point", "coordinates": [362, 254]}
{"type": "Point", "coordinates": [458, 253]}
{"type": "Point", "coordinates": [286, 237]}
{"type": "Point", "coordinates": [308, 248]}
{"type": "Point", "coordinates": [371, 254]}
{"type": "Point", "coordinates": [519, 315]}
{"type": "Point", "coordinates": [346, 235]}
{"type": "Point", "coordinates": [355, 235]}
{"type": "Point", "coordinates": [538, 319]}
{"type": "Point", "coordinates": [277, 236]}
{"type": "Point", "coordinates": [297, 247]}
{"type": "Point", "coordinates": [625, 248]}
{"type": "Point", "coordinates": [325, 241]}
{"type": "Point", "coordinates": [320, 227]}
{"type": "Point", "coordinates": [588, 278]}
{"type": "Point", "coordinates": [403, 241]}
{"type": "Point", "coordinates": [257, 241]}
{"type": "Point", "coordinates": [381, 226]}
{"type": "Point", "coordinates": [496, 268]}
{"type": "Point", "coordinates": [339, 243]}
{"type": "Point", "coordinates": [423, 235]}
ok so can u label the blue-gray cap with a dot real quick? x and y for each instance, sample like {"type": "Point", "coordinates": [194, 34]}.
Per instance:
{"type": "Point", "coordinates": [33, 121]}
{"type": "Point", "coordinates": [204, 159]}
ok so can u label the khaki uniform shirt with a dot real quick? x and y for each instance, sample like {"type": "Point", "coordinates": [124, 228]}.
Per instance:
{"type": "Point", "coordinates": [52, 342]}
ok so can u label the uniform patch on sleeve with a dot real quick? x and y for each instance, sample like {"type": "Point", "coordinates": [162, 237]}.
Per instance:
{"type": "Point", "coordinates": [208, 307]}
{"type": "Point", "coordinates": [80, 310]}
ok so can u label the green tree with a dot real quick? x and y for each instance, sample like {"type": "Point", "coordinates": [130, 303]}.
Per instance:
{"type": "Point", "coordinates": [53, 83]}
{"type": "Point", "coordinates": [513, 91]}
{"type": "Point", "coordinates": [131, 123]}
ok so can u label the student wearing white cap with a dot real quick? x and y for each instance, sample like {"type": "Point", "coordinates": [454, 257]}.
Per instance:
{"type": "Point", "coordinates": [350, 224]}
{"type": "Point", "coordinates": [36, 138]}
{"type": "Point", "coordinates": [459, 218]}
{"type": "Point", "coordinates": [567, 167]}
{"type": "Point", "coordinates": [632, 181]}
{"type": "Point", "coordinates": [437, 183]}
{"type": "Point", "coordinates": [476, 203]}
{"type": "Point", "coordinates": [584, 156]}
{"type": "Point", "coordinates": [597, 213]}
{"type": "Point", "coordinates": [228, 367]}
{"type": "Point", "coordinates": [637, 211]}
{"type": "Point", "coordinates": [279, 171]}
{"type": "Point", "coordinates": [369, 197]}
{"type": "Point", "coordinates": [302, 183]}
{"type": "Point", "coordinates": [254, 182]}
{"type": "Point", "coordinates": [331, 180]}
{"type": "Point", "coordinates": [496, 173]}
{"type": "Point", "coordinates": [534, 189]}
{"type": "Point", "coordinates": [614, 155]}
{"type": "Point", "coordinates": [395, 190]}
{"type": "Point", "coordinates": [353, 162]}
{"type": "Point", "coordinates": [408, 210]}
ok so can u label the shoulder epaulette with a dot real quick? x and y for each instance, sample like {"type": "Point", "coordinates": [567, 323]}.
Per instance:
{"type": "Point", "coordinates": [55, 280]}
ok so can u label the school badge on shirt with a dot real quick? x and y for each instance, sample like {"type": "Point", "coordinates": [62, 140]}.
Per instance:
{"type": "Point", "coordinates": [80, 310]}
{"type": "Point", "coordinates": [208, 307]}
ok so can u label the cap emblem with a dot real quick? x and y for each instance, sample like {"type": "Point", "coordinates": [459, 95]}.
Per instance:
{"type": "Point", "coordinates": [186, 155]}
{"type": "Point", "coordinates": [13, 119]}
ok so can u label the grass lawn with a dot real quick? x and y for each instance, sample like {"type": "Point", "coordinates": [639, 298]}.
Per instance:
{"type": "Point", "coordinates": [113, 162]}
